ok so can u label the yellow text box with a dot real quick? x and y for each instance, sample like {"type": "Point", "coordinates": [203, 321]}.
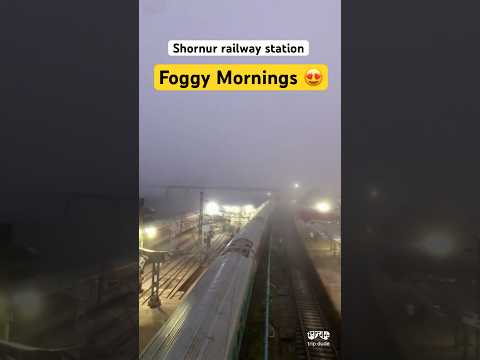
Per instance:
{"type": "Point", "coordinates": [240, 77]}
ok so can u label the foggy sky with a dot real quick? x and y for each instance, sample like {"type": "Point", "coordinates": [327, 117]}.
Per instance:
{"type": "Point", "coordinates": [244, 138]}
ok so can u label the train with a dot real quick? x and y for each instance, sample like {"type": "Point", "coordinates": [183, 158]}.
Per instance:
{"type": "Point", "coordinates": [209, 322]}
{"type": "Point", "coordinates": [159, 231]}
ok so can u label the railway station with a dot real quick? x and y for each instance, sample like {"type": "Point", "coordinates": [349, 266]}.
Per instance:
{"type": "Point", "coordinates": [249, 281]}
{"type": "Point", "coordinates": [213, 276]}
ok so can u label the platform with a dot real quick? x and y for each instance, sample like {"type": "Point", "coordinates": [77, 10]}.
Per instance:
{"type": "Point", "coordinates": [325, 254]}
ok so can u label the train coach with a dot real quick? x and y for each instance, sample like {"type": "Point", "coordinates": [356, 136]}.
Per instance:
{"type": "Point", "coordinates": [158, 231]}
{"type": "Point", "coordinates": [209, 322]}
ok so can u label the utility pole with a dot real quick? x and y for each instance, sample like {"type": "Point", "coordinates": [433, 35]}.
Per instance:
{"type": "Point", "coordinates": [200, 221]}
{"type": "Point", "coordinates": [156, 258]}
{"type": "Point", "coordinates": [154, 300]}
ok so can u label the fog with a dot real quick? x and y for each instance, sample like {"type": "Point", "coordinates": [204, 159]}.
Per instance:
{"type": "Point", "coordinates": [246, 138]}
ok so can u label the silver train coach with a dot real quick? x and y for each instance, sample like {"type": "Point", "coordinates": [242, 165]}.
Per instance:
{"type": "Point", "coordinates": [208, 323]}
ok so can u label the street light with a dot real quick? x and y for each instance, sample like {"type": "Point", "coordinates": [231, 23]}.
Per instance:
{"type": "Point", "coordinates": [296, 185]}
{"type": "Point", "coordinates": [150, 232]}
{"type": "Point", "coordinates": [212, 208]}
{"type": "Point", "coordinates": [323, 207]}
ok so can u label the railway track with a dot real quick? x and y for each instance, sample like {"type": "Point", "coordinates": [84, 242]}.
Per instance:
{"type": "Point", "coordinates": [176, 274]}
{"type": "Point", "coordinates": [298, 303]}
{"type": "Point", "coordinates": [310, 318]}
{"type": "Point", "coordinates": [312, 310]}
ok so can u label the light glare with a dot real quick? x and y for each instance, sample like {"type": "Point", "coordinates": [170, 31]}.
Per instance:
{"type": "Point", "coordinates": [231, 209]}
{"type": "Point", "coordinates": [249, 208]}
{"type": "Point", "coordinates": [150, 232]}
{"type": "Point", "coordinates": [438, 244]}
{"type": "Point", "coordinates": [212, 208]}
{"type": "Point", "coordinates": [323, 207]}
